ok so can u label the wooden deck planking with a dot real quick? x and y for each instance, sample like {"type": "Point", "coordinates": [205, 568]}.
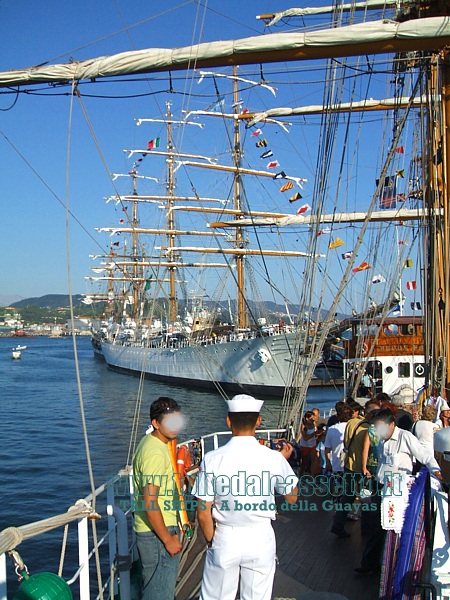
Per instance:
{"type": "Point", "coordinates": [310, 557]}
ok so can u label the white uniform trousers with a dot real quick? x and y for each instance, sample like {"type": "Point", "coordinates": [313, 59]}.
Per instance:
{"type": "Point", "coordinates": [248, 552]}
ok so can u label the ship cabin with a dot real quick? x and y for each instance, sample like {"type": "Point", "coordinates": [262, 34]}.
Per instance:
{"type": "Point", "coordinates": [384, 354]}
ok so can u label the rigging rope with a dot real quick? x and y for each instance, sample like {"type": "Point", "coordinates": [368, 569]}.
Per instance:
{"type": "Point", "coordinates": [74, 341]}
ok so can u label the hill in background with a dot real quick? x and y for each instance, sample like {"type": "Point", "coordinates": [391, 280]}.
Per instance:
{"type": "Point", "coordinates": [56, 306]}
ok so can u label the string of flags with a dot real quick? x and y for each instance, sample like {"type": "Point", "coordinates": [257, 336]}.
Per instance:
{"type": "Point", "coordinates": [416, 306]}
{"type": "Point", "coordinates": [411, 285]}
{"type": "Point", "coordinates": [289, 185]}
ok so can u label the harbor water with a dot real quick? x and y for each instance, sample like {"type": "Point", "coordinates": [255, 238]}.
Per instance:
{"type": "Point", "coordinates": [43, 459]}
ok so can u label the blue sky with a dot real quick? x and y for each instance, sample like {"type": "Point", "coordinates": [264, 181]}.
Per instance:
{"type": "Point", "coordinates": [32, 246]}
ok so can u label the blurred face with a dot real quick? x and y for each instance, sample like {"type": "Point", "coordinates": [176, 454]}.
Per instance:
{"type": "Point", "coordinates": [383, 429]}
{"type": "Point", "coordinates": [170, 425]}
{"type": "Point", "coordinates": [445, 414]}
{"type": "Point", "coordinates": [316, 415]}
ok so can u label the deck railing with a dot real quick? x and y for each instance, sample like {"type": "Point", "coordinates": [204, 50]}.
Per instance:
{"type": "Point", "coordinates": [119, 534]}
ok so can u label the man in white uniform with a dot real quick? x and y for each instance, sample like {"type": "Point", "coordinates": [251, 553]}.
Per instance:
{"type": "Point", "coordinates": [235, 488]}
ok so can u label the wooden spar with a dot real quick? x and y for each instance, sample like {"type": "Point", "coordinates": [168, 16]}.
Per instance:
{"type": "Point", "coordinates": [141, 279]}
{"type": "Point", "coordinates": [172, 154]}
{"type": "Point", "coordinates": [318, 10]}
{"type": "Point", "coordinates": [164, 265]}
{"type": "Point", "coordinates": [263, 116]}
{"type": "Point", "coordinates": [281, 220]}
{"type": "Point", "coordinates": [241, 251]}
{"type": "Point", "coordinates": [159, 199]}
{"type": "Point", "coordinates": [239, 236]}
{"type": "Point", "coordinates": [238, 170]}
{"type": "Point", "coordinates": [368, 105]}
{"type": "Point", "coordinates": [142, 230]}
{"type": "Point", "coordinates": [374, 37]}
{"type": "Point", "coordinates": [234, 116]}
{"type": "Point", "coordinates": [173, 309]}
{"type": "Point", "coordinates": [229, 211]}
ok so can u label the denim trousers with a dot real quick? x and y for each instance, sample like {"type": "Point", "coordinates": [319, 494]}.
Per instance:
{"type": "Point", "coordinates": [159, 569]}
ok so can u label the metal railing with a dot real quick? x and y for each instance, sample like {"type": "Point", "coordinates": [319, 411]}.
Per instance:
{"type": "Point", "coordinates": [119, 532]}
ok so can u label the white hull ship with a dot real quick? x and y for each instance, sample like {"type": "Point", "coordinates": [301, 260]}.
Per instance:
{"type": "Point", "coordinates": [259, 364]}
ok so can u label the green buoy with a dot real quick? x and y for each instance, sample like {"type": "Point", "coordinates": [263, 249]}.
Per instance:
{"type": "Point", "coordinates": [43, 586]}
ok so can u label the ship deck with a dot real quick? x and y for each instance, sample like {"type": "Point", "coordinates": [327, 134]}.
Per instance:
{"type": "Point", "coordinates": [310, 559]}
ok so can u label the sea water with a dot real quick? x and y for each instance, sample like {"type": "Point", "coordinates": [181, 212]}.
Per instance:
{"type": "Point", "coordinates": [43, 458]}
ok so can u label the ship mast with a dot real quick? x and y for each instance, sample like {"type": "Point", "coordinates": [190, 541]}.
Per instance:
{"type": "Point", "coordinates": [239, 238]}
{"type": "Point", "coordinates": [173, 309]}
{"type": "Point", "coordinates": [134, 250]}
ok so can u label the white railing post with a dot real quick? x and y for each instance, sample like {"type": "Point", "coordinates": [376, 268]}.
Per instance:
{"type": "Point", "coordinates": [111, 529]}
{"type": "Point", "coordinates": [83, 558]}
{"type": "Point", "coordinates": [3, 587]}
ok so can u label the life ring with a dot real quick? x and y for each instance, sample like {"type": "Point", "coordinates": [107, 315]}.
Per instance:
{"type": "Point", "coordinates": [183, 460]}
{"type": "Point", "coordinates": [365, 349]}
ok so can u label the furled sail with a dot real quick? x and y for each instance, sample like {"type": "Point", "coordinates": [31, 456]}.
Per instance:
{"type": "Point", "coordinates": [322, 10]}
{"type": "Point", "coordinates": [361, 105]}
{"type": "Point", "coordinates": [375, 37]}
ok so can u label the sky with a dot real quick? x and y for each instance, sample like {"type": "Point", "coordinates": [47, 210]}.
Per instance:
{"type": "Point", "coordinates": [34, 173]}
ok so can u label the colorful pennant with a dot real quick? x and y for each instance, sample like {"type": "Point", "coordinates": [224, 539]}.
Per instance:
{"type": "Point", "coordinates": [287, 186]}
{"type": "Point", "coordinates": [337, 243]}
{"type": "Point", "coordinates": [153, 143]}
{"type": "Point", "coordinates": [362, 267]}
{"type": "Point", "coordinates": [303, 209]}
{"type": "Point", "coordinates": [295, 197]}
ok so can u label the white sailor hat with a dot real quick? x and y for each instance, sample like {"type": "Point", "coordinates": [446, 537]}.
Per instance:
{"type": "Point", "coordinates": [244, 403]}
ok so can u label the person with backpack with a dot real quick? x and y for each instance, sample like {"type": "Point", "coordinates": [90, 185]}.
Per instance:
{"type": "Point", "coordinates": [352, 478]}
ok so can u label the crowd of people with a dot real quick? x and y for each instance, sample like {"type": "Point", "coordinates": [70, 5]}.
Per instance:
{"type": "Point", "coordinates": [359, 445]}
{"type": "Point", "coordinates": [356, 445]}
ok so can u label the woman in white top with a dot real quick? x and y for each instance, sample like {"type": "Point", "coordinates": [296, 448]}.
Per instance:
{"type": "Point", "coordinates": [424, 428]}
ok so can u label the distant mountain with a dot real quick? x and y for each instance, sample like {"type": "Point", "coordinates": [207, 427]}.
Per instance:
{"type": "Point", "coordinates": [50, 301]}
{"type": "Point", "coordinates": [8, 299]}
{"type": "Point", "coordinates": [257, 309]}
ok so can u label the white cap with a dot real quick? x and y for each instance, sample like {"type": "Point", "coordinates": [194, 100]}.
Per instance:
{"type": "Point", "coordinates": [244, 403]}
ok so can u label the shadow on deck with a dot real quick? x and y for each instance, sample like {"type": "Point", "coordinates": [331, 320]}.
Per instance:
{"type": "Point", "coordinates": [310, 557]}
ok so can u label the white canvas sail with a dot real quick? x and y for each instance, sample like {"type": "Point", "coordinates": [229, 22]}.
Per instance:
{"type": "Point", "coordinates": [373, 37]}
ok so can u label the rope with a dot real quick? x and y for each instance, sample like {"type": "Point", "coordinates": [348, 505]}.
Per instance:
{"type": "Point", "coordinates": [74, 340]}
{"type": "Point", "coordinates": [13, 536]}
{"type": "Point", "coordinates": [63, 550]}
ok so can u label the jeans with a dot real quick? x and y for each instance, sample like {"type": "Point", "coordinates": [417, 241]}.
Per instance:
{"type": "Point", "coordinates": [159, 569]}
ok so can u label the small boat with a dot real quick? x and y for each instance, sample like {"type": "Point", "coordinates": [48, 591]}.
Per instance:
{"type": "Point", "coordinates": [20, 348]}
{"type": "Point", "coordinates": [16, 354]}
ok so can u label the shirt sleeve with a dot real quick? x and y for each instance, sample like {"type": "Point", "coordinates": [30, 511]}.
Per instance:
{"type": "Point", "coordinates": [286, 479]}
{"type": "Point", "coordinates": [204, 484]}
{"type": "Point", "coordinates": [421, 454]}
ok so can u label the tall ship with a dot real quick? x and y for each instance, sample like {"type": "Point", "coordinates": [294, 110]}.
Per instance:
{"type": "Point", "coordinates": [358, 161]}
{"type": "Point", "coordinates": [165, 327]}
